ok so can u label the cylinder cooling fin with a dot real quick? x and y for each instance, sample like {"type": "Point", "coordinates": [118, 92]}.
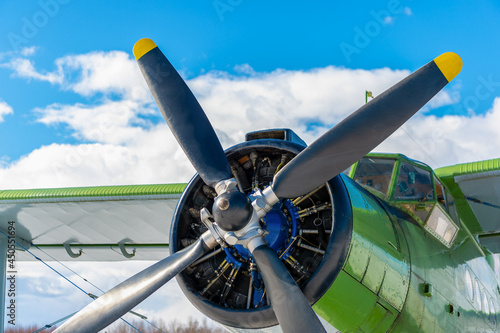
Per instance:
{"type": "Point", "coordinates": [311, 235]}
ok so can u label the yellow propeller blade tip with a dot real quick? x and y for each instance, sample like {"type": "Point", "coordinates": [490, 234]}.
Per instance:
{"type": "Point", "coordinates": [450, 64]}
{"type": "Point", "coordinates": [142, 47]}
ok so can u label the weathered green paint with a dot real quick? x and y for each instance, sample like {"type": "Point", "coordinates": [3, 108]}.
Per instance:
{"type": "Point", "coordinates": [333, 308]}
{"type": "Point", "coordinates": [379, 320]}
{"type": "Point", "coordinates": [386, 271]}
{"type": "Point", "coordinates": [379, 291]}
{"type": "Point", "coordinates": [377, 268]}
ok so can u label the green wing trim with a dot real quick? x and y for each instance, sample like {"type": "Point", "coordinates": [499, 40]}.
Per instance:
{"type": "Point", "coordinates": [468, 168]}
{"type": "Point", "coordinates": [124, 191]}
{"type": "Point", "coordinates": [449, 174]}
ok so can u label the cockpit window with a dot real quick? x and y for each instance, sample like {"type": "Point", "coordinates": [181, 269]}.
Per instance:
{"type": "Point", "coordinates": [375, 173]}
{"type": "Point", "coordinates": [414, 184]}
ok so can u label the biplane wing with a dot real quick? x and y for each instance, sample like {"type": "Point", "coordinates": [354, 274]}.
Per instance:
{"type": "Point", "coordinates": [105, 223]}
{"type": "Point", "coordinates": [476, 189]}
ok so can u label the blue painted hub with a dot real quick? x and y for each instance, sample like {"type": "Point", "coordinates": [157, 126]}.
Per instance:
{"type": "Point", "coordinates": [277, 224]}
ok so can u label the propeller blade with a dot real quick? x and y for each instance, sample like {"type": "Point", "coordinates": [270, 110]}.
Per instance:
{"type": "Point", "coordinates": [183, 113]}
{"type": "Point", "coordinates": [365, 129]}
{"type": "Point", "coordinates": [125, 296]}
{"type": "Point", "coordinates": [289, 303]}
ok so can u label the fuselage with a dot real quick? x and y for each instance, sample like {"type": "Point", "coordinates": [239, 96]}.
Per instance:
{"type": "Point", "coordinates": [412, 263]}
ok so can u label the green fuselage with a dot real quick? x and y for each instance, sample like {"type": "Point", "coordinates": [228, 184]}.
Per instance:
{"type": "Point", "coordinates": [400, 277]}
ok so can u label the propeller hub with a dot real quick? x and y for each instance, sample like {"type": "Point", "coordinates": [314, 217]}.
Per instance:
{"type": "Point", "coordinates": [232, 210]}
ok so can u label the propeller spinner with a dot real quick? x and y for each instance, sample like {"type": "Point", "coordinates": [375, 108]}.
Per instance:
{"type": "Point", "coordinates": [236, 217]}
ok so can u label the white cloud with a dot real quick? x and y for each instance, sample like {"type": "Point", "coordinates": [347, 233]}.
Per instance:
{"type": "Point", "coordinates": [5, 109]}
{"type": "Point", "coordinates": [104, 72]}
{"type": "Point", "coordinates": [88, 74]}
{"type": "Point", "coordinates": [245, 69]}
{"type": "Point", "coordinates": [443, 98]}
{"type": "Point", "coordinates": [407, 11]}
{"type": "Point", "coordinates": [115, 122]}
{"type": "Point", "coordinates": [295, 99]}
{"type": "Point", "coordinates": [154, 158]}
{"type": "Point", "coordinates": [24, 68]}
{"type": "Point", "coordinates": [447, 96]}
{"type": "Point", "coordinates": [126, 144]}
{"type": "Point", "coordinates": [28, 51]}
{"type": "Point", "coordinates": [125, 147]}
{"type": "Point", "coordinates": [450, 139]}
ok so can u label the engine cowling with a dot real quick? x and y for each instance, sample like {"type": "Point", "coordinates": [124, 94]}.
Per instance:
{"type": "Point", "coordinates": [311, 234]}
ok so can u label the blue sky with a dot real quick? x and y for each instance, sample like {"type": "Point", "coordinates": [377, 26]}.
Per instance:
{"type": "Point", "coordinates": [74, 112]}
{"type": "Point", "coordinates": [210, 36]}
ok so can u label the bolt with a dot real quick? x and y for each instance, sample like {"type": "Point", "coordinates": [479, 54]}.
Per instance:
{"type": "Point", "coordinates": [223, 204]}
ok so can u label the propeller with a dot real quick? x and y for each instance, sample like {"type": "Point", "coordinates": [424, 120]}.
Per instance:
{"type": "Point", "coordinates": [236, 217]}
{"type": "Point", "coordinates": [287, 299]}
{"type": "Point", "coordinates": [365, 129]}
{"type": "Point", "coordinates": [183, 113]}
{"type": "Point", "coordinates": [121, 299]}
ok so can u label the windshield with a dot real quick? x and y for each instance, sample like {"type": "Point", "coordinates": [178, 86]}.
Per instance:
{"type": "Point", "coordinates": [375, 173]}
{"type": "Point", "coordinates": [414, 183]}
